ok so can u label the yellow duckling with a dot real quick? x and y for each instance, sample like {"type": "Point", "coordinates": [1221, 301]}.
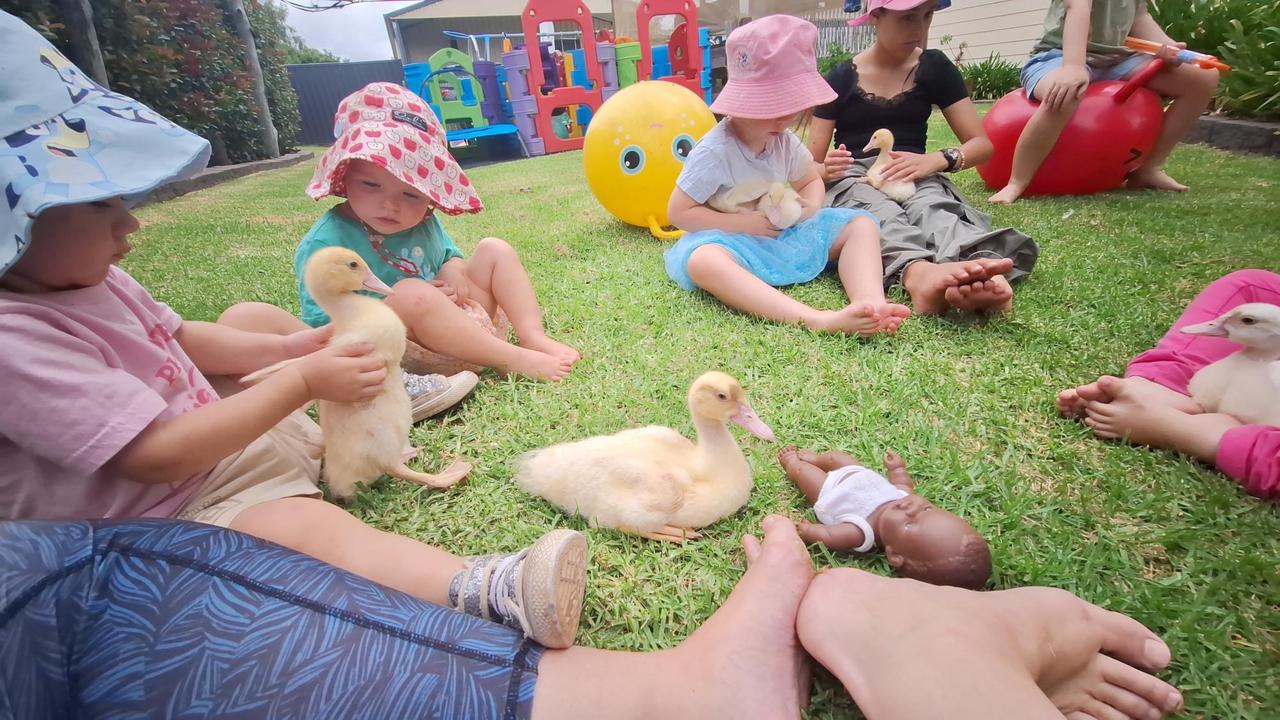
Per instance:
{"type": "Point", "coordinates": [653, 481]}
{"type": "Point", "coordinates": [898, 190]}
{"type": "Point", "coordinates": [364, 440]}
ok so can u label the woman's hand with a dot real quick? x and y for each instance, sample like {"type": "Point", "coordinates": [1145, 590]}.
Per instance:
{"type": "Point", "coordinates": [912, 166]}
{"type": "Point", "coordinates": [836, 164]}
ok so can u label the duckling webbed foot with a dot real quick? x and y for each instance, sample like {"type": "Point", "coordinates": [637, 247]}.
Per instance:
{"type": "Point", "coordinates": [670, 533]}
{"type": "Point", "coordinates": [451, 476]}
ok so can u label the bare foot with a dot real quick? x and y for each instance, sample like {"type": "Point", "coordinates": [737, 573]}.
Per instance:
{"type": "Point", "coordinates": [790, 455]}
{"type": "Point", "coordinates": [855, 319]}
{"type": "Point", "coordinates": [545, 344]}
{"type": "Point", "coordinates": [927, 283]}
{"type": "Point", "coordinates": [1071, 402]}
{"type": "Point", "coordinates": [1007, 195]}
{"type": "Point", "coordinates": [1131, 417]}
{"type": "Point", "coordinates": [746, 657]}
{"type": "Point", "coordinates": [1154, 179]}
{"type": "Point", "coordinates": [538, 365]}
{"type": "Point", "coordinates": [993, 295]}
{"type": "Point", "coordinates": [930, 651]}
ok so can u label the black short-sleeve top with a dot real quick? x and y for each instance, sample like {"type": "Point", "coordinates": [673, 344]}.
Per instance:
{"type": "Point", "coordinates": [858, 114]}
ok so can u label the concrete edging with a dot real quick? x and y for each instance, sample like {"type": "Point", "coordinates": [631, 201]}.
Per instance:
{"type": "Point", "coordinates": [222, 173]}
{"type": "Point", "coordinates": [1225, 133]}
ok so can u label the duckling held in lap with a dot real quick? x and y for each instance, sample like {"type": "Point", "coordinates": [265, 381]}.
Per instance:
{"type": "Point", "coordinates": [1245, 384]}
{"type": "Point", "coordinates": [653, 481]}
{"type": "Point", "coordinates": [898, 190]}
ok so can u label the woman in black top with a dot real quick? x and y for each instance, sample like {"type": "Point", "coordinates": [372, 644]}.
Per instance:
{"type": "Point", "coordinates": [942, 250]}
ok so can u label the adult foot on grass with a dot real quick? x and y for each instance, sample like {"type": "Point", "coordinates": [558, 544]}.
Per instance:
{"type": "Point", "coordinates": [1071, 402]}
{"type": "Point", "coordinates": [745, 661]}
{"type": "Point", "coordinates": [927, 283]}
{"type": "Point", "coordinates": [1011, 653]}
{"type": "Point", "coordinates": [992, 295]}
{"type": "Point", "coordinates": [545, 344]}
{"type": "Point", "coordinates": [1154, 179]}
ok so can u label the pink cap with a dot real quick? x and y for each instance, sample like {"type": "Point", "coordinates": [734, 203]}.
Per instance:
{"type": "Point", "coordinates": [773, 70]}
{"type": "Point", "coordinates": [894, 5]}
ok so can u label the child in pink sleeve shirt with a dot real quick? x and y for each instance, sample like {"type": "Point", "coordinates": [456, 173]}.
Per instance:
{"type": "Point", "coordinates": [116, 407]}
{"type": "Point", "coordinates": [1150, 405]}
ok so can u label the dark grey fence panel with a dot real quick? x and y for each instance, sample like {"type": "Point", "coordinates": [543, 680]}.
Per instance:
{"type": "Point", "coordinates": [321, 86]}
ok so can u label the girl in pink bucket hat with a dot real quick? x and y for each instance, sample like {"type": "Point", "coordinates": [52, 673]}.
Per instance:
{"type": "Point", "coordinates": [740, 168]}
{"type": "Point", "coordinates": [390, 161]}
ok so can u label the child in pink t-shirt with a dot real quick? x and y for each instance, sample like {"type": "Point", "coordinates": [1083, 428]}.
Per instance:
{"type": "Point", "coordinates": [116, 407]}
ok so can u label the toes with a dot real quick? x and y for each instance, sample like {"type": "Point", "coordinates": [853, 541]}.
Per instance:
{"type": "Point", "coordinates": [1151, 700]}
{"type": "Point", "coordinates": [1111, 386]}
{"type": "Point", "coordinates": [751, 546]}
{"type": "Point", "coordinates": [1129, 640]}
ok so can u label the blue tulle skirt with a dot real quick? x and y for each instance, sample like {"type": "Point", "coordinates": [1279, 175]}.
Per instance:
{"type": "Point", "coordinates": [797, 255]}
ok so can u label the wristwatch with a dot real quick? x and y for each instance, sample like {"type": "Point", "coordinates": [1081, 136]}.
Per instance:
{"type": "Point", "coordinates": [952, 156]}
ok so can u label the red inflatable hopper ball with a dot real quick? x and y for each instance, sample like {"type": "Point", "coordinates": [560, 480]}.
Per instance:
{"type": "Point", "coordinates": [1111, 133]}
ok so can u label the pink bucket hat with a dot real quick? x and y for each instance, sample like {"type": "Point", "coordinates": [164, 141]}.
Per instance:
{"type": "Point", "coordinates": [893, 5]}
{"type": "Point", "coordinates": [773, 70]}
{"type": "Point", "coordinates": [396, 130]}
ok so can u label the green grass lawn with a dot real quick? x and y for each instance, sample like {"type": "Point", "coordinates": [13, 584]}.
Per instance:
{"type": "Point", "coordinates": [968, 403]}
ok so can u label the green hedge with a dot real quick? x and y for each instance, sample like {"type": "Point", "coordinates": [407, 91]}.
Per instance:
{"type": "Point", "coordinates": [182, 58]}
{"type": "Point", "coordinates": [1245, 34]}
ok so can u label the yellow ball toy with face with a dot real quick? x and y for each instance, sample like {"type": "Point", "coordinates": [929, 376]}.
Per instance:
{"type": "Point", "coordinates": [635, 148]}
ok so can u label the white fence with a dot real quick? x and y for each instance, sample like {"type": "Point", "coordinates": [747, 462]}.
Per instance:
{"type": "Point", "coordinates": [833, 29]}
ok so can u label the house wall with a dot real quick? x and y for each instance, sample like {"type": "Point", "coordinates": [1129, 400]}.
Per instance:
{"type": "Point", "coordinates": [1007, 27]}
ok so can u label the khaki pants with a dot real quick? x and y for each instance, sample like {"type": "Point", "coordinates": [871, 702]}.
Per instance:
{"type": "Point", "coordinates": [284, 462]}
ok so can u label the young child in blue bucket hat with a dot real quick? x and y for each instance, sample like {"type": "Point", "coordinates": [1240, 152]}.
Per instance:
{"type": "Point", "coordinates": [116, 407]}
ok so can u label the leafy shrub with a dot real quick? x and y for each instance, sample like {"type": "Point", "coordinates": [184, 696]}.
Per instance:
{"type": "Point", "coordinates": [1243, 34]}
{"type": "Point", "coordinates": [181, 58]}
{"type": "Point", "coordinates": [992, 78]}
{"type": "Point", "coordinates": [836, 54]}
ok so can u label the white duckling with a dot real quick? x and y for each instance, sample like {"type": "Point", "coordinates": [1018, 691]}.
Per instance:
{"type": "Point", "coordinates": [898, 190]}
{"type": "Point", "coordinates": [364, 440]}
{"type": "Point", "coordinates": [741, 198]}
{"type": "Point", "coordinates": [781, 205]}
{"type": "Point", "coordinates": [652, 481]}
{"type": "Point", "coordinates": [1245, 384]}
{"type": "Point", "coordinates": [777, 201]}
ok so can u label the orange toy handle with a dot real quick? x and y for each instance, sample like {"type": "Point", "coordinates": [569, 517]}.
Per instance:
{"type": "Point", "coordinates": [1150, 47]}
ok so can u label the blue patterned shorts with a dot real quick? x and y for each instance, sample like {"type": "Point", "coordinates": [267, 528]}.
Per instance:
{"type": "Point", "coordinates": [158, 618]}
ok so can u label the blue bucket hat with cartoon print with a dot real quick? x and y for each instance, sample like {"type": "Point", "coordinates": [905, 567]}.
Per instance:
{"type": "Point", "coordinates": [64, 139]}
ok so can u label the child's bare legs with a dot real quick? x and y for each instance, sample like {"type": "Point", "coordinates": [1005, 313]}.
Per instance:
{"type": "Point", "coordinates": [329, 533]}
{"type": "Point", "coordinates": [1191, 88]}
{"type": "Point", "coordinates": [438, 324]}
{"type": "Point", "coordinates": [1132, 410]}
{"type": "Point", "coordinates": [857, 254]}
{"type": "Point", "coordinates": [1072, 401]}
{"type": "Point", "coordinates": [500, 280]}
{"type": "Point", "coordinates": [927, 651]}
{"type": "Point", "coordinates": [713, 269]}
{"type": "Point", "coordinates": [969, 285]}
{"type": "Point", "coordinates": [1037, 139]}
{"type": "Point", "coordinates": [743, 662]}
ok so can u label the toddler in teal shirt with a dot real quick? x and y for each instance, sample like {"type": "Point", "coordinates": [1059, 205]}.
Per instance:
{"type": "Point", "coordinates": [391, 163]}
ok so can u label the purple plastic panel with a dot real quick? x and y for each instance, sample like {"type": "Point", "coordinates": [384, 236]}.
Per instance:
{"type": "Point", "coordinates": [517, 64]}
{"type": "Point", "coordinates": [608, 63]}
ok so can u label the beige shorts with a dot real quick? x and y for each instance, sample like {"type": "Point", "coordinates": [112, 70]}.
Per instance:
{"type": "Point", "coordinates": [284, 462]}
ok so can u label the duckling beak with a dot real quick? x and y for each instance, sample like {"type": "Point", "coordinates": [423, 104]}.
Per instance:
{"type": "Point", "coordinates": [747, 418]}
{"type": "Point", "coordinates": [373, 284]}
{"type": "Point", "coordinates": [1213, 328]}
{"type": "Point", "coordinates": [870, 146]}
